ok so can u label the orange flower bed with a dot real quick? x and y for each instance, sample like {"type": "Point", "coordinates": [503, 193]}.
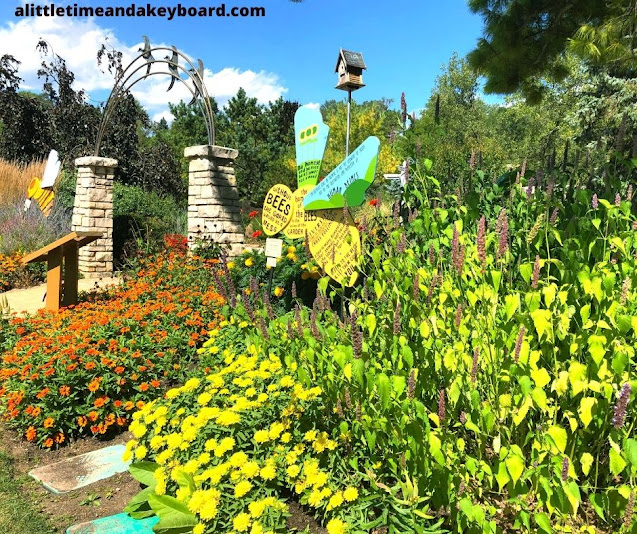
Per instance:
{"type": "Point", "coordinates": [85, 369]}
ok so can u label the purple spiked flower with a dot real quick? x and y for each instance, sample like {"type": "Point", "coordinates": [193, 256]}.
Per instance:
{"type": "Point", "coordinates": [618, 199]}
{"type": "Point", "coordinates": [397, 318]}
{"type": "Point", "coordinates": [411, 384]}
{"type": "Point", "coordinates": [554, 215]}
{"type": "Point", "coordinates": [619, 417]}
{"type": "Point", "coordinates": [458, 315]}
{"type": "Point", "coordinates": [565, 464]}
{"type": "Point", "coordinates": [594, 202]}
{"type": "Point", "coordinates": [474, 365]}
{"type": "Point", "coordinates": [403, 108]}
{"type": "Point", "coordinates": [481, 241]}
{"type": "Point", "coordinates": [518, 344]}
{"type": "Point", "coordinates": [536, 272]}
{"type": "Point", "coordinates": [441, 406]}
{"type": "Point", "coordinates": [625, 288]}
{"type": "Point", "coordinates": [503, 243]}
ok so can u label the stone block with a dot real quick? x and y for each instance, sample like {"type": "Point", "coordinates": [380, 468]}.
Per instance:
{"type": "Point", "coordinates": [96, 213]}
{"type": "Point", "coordinates": [229, 193]}
{"type": "Point", "coordinates": [95, 161]}
{"type": "Point", "coordinates": [208, 151]}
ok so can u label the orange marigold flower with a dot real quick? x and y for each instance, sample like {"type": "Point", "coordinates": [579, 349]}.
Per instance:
{"type": "Point", "coordinates": [129, 406]}
{"type": "Point", "coordinates": [140, 404]}
{"type": "Point", "coordinates": [36, 411]}
{"type": "Point", "coordinates": [121, 421]}
{"type": "Point", "coordinates": [117, 403]}
{"type": "Point", "coordinates": [155, 383]}
{"type": "Point", "coordinates": [48, 443]}
{"type": "Point", "coordinates": [89, 366]}
{"type": "Point", "coordinates": [143, 386]}
{"type": "Point", "coordinates": [93, 415]}
{"type": "Point", "coordinates": [31, 433]}
{"type": "Point", "coordinates": [82, 421]}
{"type": "Point", "coordinates": [71, 367]}
{"type": "Point", "coordinates": [43, 393]}
{"type": "Point", "coordinates": [59, 438]}
{"type": "Point", "coordinates": [119, 370]}
{"type": "Point", "coordinates": [100, 401]}
{"type": "Point", "coordinates": [49, 422]}
{"type": "Point", "coordinates": [94, 385]}
{"type": "Point", "coordinates": [65, 391]}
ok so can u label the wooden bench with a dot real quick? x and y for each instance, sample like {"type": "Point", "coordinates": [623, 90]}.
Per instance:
{"type": "Point", "coordinates": [63, 251]}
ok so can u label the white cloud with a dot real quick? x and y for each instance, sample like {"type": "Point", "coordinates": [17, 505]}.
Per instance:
{"type": "Point", "coordinates": [78, 40]}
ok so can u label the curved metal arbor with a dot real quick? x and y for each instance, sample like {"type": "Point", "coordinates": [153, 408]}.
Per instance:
{"type": "Point", "coordinates": [130, 76]}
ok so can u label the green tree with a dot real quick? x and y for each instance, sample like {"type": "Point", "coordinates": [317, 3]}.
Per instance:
{"type": "Point", "coordinates": [525, 42]}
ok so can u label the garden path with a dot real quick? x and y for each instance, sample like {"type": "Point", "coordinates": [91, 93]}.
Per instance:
{"type": "Point", "coordinates": [31, 299]}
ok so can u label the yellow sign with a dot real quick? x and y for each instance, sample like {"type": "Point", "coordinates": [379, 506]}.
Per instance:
{"type": "Point", "coordinates": [297, 225]}
{"type": "Point", "coordinates": [43, 197]}
{"type": "Point", "coordinates": [277, 209]}
{"type": "Point", "coordinates": [335, 244]}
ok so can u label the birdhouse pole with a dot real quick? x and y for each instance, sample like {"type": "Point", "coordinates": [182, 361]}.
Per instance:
{"type": "Point", "coordinates": [349, 111]}
{"type": "Point", "coordinates": [349, 66]}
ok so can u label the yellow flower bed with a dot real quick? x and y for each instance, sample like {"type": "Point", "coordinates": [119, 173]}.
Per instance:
{"type": "Point", "coordinates": [225, 447]}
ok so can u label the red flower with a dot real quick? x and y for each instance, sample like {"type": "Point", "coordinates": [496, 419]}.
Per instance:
{"type": "Point", "coordinates": [373, 202]}
{"type": "Point", "coordinates": [257, 233]}
{"type": "Point", "coordinates": [253, 214]}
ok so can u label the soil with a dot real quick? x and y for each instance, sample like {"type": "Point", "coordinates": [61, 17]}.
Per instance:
{"type": "Point", "coordinates": [104, 498]}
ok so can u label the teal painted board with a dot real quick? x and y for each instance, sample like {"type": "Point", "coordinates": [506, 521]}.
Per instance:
{"type": "Point", "coordinates": [79, 471]}
{"type": "Point", "coordinates": [115, 524]}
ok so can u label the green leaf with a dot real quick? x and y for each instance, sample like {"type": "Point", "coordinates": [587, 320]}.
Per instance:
{"type": "Point", "coordinates": [512, 303]}
{"type": "Point", "coordinates": [585, 312]}
{"type": "Point", "coordinates": [541, 377]}
{"type": "Point", "coordinates": [586, 461]}
{"type": "Point", "coordinates": [174, 516]}
{"type": "Point", "coordinates": [378, 289]}
{"type": "Point", "coordinates": [398, 385]}
{"type": "Point", "coordinates": [435, 446]}
{"type": "Point", "coordinates": [585, 411]}
{"type": "Point", "coordinates": [630, 450]}
{"type": "Point", "coordinates": [424, 329]}
{"type": "Point", "coordinates": [617, 463]}
{"type": "Point", "coordinates": [376, 255]}
{"type": "Point", "coordinates": [370, 321]}
{"type": "Point", "coordinates": [542, 520]}
{"type": "Point", "coordinates": [597, 348]}
{"type": "Point", "coordinates": [549, 293]}
{"type": "Point", "coordinates": [541, 321]}
{"type": "Point", "coordinates": [384, 389]}
{"type": "Point", "coordinates": [526, 270]}
{"type": "Point", "coordinates": [144, 472]}
{"type": "Point", "coordinates": [559, 437]}
{"type": "Point", "coordinates": [184, 480]}
{"type": "Point", "coordinates": [572, 492]}
{"type": "Point", "coordinates": [140, 502]}
{"type": "Point", "coordinates": [515, 467]}
{"type": "Point", "coordinates": [502, 476]}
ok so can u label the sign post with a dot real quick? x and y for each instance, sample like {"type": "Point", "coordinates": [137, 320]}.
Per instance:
{"type": "Point", "coordinates": [273, 249]}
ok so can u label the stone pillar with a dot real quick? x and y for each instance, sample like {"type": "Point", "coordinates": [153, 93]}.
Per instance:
{"type": "Point", "coordinates": [213, 198]}
{"type": "Point", "coordinates": [93, 211]}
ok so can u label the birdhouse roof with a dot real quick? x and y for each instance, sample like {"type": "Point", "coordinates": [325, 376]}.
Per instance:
{"type": "Point", "coordinates": [351, 59]}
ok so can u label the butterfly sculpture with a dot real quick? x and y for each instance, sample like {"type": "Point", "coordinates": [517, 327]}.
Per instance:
{"type": "Point", "coordinates": [319, 212]}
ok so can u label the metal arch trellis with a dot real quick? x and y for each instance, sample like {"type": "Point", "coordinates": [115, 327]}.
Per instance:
{"type": "Point", "coordinates": [125, 83]}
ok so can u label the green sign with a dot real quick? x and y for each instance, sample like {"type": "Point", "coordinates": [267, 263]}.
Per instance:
{"type": "Point", "coordinates": [311, 135]}
{"type": "Point", "coordinates": [348, 181]}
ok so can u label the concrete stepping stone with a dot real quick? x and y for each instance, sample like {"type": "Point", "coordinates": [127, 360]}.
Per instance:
{"type": "Point", "coordinates": [79, 471]}
{"type": "Point", "coordinates": [115, 524]}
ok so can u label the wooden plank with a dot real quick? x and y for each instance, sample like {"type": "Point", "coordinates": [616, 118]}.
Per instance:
{"type": "Point", "coordinates": [70, 273]}
{"type": "Point", "coordinates": [54, 279]}
{"type": "Point", "coordinates": [82, 238]}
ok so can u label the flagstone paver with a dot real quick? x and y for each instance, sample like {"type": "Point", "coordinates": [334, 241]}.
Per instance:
{"type": "Point", "coordinates": [120, 524]}
{"type": "Point", "coordinates": [74, 473]}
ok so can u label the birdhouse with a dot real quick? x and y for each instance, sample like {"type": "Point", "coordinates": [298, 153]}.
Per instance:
{"type": "Point", "coordinates": [350, 66]}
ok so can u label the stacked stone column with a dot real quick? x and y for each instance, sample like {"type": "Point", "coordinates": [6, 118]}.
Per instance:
{"type": "Point", "coordinates": [213, 199]}
{"type": "Point", "coordinates": [93, 211]}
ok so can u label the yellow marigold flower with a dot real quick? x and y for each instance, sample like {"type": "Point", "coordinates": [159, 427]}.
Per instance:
{"type": "Point", "coordinates": [127, 455]}
{"type": "Point", "coordinates": [138, 430]}
{"type": "Point", "coordinates": [286, 437]}
{"type": "Point", "coordinates": [199, 528]}
{"type": "Point", "coordinates": [141, 452]}
{"type": "Point", "coordinates": [238, 459]}
{"type": "Point", "coordinates": [249, 262]}
{"type": "Point", "coordinates": [202, 499]}
{"type": "Point", "coordinates": [257, 508]}
{"type": "Point", "coordinates": [319, 480]}
{"type": "Point", "coordinates": [242, 488]}
{"type": "Point", "coordinates": [261, 436]}
{"type": "Point", "coordinates": [287, 381]}
{"type": "Point", "coordinates": [320, 443]}
{"type": "Point", "coordinates": [230, 265]}
{"type": "Point", "coordinates": [335, 500]}
{"type": "Point", "coordinates": [156, 442]}
{"type": "Point", "coordinates": [191, 384]}
{"type": "Point", "coordinates": [224, 446]}
{"type": "Point", "coordinates": [350, 494]}
{"type": "Point", "coordinates": [164, 456]}
{"type": "Point", "coordinates": [310, 435]}
{"type": "Point", "coordinates": [160, 487]}
{"type": "Point", "coordinates": [172, 393]}
{"type": "Point", "coordinates": [291, 249]}
{"type": "Point", "coordinates": [204, 398]}
{"type": "Point", "coordinates": [241, 523]}
{"type": "Point", "coordinates": [336, 526]}
{"type": "Point", "coordinates": [256, 528]}
{"type": "Point", "coordinates": [276, 429]}
{"type": "Point", "coordinates": [209, 511]}
{"type": "Point", "coordinates": [268, 472]}
{"type": "Point", "coordinates": [250, 469]}
{"type": "Point", "coordinates": [262, 398]}
{"type": "Point", "coordinates": [250, 392]}
{"type": "Point", "coordinates": [228, 418]}
{"type": "Point", "coordinates": [211, 444]}
{"type": "Point", "coordinates": [204, 458]}
{"type": "Point", "coordinates": [278, 291]}
{"type": "Point", "coordinates": [315, 498]}
{"type": "Point", "coordinates": [293, 470]}
{"type": "Point", "coordinates": [217, 473]}
{"type": "Point", "coordinates": [182, 494]}
{"type": "Point", "coordinates": [189, 434]}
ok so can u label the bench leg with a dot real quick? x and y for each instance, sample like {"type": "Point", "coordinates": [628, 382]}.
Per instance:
{"type": "Point", "coordinates": [70, 274]}
{"type": "Point", "coordinates": [54, 279]}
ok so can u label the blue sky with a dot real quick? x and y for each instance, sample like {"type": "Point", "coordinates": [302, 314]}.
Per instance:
{"type": "Point", "coordinates": [291, 51]}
